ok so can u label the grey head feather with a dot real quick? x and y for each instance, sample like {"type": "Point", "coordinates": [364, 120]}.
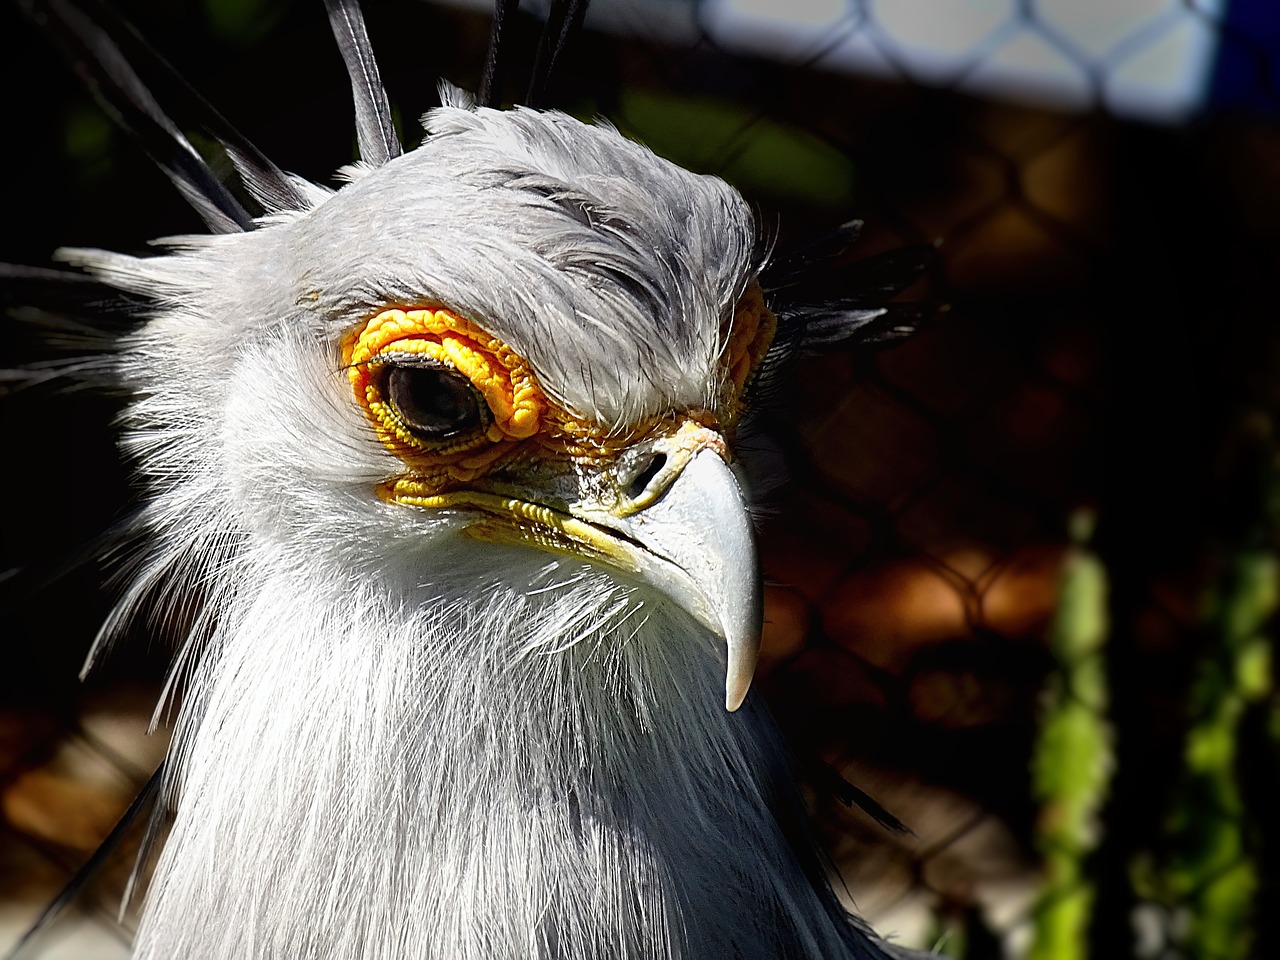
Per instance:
{"type": "Point", "coordinates": [546, 232]}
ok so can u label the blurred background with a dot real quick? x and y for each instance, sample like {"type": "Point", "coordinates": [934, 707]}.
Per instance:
{"type": "Point", "coordinates": [1023, 577]}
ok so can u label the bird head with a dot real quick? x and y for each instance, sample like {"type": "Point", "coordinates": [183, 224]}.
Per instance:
{"type": "Point", "coordinates": [479, 403]}
{"type": "Point", "coordinates": [529, 334]}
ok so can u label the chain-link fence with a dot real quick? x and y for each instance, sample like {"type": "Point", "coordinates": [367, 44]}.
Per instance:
{"type": "Point", "coordinates": [1022, 578]}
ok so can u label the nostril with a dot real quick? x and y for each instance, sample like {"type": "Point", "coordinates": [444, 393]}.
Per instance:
{"type": "Point", "coordinates": [642, 479]}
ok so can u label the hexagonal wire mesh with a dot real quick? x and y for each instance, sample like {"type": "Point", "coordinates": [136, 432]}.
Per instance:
{"type": "Point", "coordinates": [1022, 573]}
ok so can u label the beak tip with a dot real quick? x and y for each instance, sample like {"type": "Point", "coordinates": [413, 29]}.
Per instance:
{"type": "Point", "coordinates": [733, 698]}
{"type": "Point", "coordinates": [742, 636]}
{"type": "Point", "coordinates": [738, 676]}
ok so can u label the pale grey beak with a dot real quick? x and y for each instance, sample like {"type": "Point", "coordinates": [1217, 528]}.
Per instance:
{"type": "Point", "coordinates": [699, 549]}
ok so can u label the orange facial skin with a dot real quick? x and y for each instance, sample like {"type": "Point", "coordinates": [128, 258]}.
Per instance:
{"type": "Point", "coordinates": [521, 420]}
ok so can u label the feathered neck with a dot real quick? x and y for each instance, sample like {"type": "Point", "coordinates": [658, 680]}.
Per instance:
{"type": "Point", "coordinates": [537, 768]}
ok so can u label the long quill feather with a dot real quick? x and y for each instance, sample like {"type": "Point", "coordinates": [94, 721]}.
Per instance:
{"type": "Point", "coordinates": [96, 57]}
{"type": "Point", "coordinates": [190, 110]}
{"type": "Point", "coordinates": [375, 132]}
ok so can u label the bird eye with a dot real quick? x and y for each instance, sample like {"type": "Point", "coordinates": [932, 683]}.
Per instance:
{"type": "Point", "coordinates": [433, 402]}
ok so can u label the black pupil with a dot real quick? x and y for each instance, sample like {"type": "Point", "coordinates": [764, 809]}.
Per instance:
{"type": "Point", "coordinates": [431, 402]}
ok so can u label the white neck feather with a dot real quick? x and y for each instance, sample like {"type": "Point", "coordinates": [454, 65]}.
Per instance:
{"type": "Point", "coordinates": [540, 773]}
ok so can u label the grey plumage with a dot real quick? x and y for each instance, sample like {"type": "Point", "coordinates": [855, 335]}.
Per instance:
{"type": "Point", "coordinates": [399, 737]}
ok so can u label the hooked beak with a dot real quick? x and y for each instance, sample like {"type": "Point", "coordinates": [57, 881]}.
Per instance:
{"type": "Point", "coordinates": [687, 535]}
{"type": "Point", "coordinates": [695, 543]}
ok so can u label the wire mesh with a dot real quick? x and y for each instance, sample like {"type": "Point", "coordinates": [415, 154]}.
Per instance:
{"type": "Point", "coordinates": [1022, 576]}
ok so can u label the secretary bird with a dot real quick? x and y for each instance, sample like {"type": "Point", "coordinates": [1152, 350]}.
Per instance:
{"type": "Point", "coordinates": [452, 458]}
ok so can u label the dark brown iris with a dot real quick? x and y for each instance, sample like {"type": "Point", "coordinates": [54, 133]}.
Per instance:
{"type": "Point", "coordinates": [433, 401]}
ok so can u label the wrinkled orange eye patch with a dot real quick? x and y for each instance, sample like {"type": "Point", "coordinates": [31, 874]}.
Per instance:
{"type": "Point", "coordinates": [452, 401]}
{"type": "Point", "coordinates": [750, 332]}
{"type": "Point", "coordinates": [441, 340]}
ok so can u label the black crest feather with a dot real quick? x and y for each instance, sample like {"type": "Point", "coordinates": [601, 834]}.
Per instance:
{"type": "Point", "coordinates": [93, 51]}
{"type": "Point", "coordinates": [375, 132]}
